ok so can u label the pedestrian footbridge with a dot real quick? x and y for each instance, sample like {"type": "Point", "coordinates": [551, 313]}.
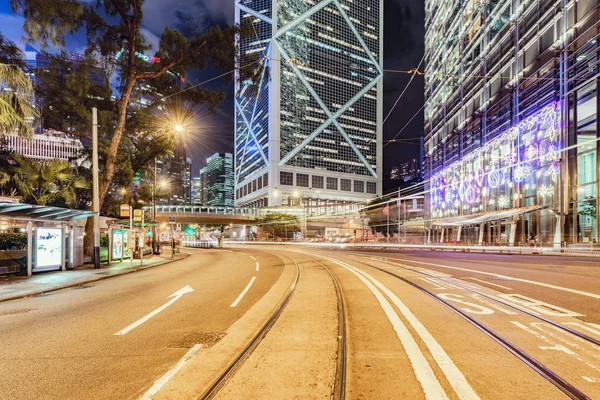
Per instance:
{"type": "Point", "coordinates": [206, 215]}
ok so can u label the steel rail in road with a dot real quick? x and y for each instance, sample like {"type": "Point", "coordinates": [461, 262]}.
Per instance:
{"type": "Point", "coordinates": [250, 347]}
{"type": "Point", "coordinates": [564, 386]}
{"type": "Point", "coordinates": [339, 387]}
{"type": "Point", "coordinates": [571, 331]}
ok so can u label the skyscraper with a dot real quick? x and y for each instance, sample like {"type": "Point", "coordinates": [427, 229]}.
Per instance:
{"type": "Point", "coordinates": [310, 129]}
{"type": "Point", "coordinates": [511, 125]}
{"type": "Point", "coordinates": [219, 174]}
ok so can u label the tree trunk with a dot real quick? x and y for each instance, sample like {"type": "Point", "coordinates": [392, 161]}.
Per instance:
{"type": "Point", "coordinates": [109, 169]}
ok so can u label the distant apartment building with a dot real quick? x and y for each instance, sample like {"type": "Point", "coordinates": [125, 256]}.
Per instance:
{"type": "Point", "coordinates": [219, 178]}
{"type": "Point", "coordinates": [49, 145]}
{"type": "Point", "coordinates": [176, 172]}
{"type": "Point", "coordinates": [37, 60]}
{"type": "Point", "coordinates": [406, 171]}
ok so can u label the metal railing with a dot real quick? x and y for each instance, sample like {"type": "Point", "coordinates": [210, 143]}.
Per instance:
{"type": "Point", "coordinates": [203, 244]}
{"type": "Point", "coordinates": [163, 209]}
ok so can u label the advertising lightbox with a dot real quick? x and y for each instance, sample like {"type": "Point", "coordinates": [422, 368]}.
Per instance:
{"type": "Point", "coordinates": [49, 248]}
{"type": "Point", "coordinates": [117, 244]}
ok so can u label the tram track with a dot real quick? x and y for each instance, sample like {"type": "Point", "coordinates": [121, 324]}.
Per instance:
{"type": "Point", "coordinates": [338, 389]}
{"type": "Point", "coordinates": [563, 385]}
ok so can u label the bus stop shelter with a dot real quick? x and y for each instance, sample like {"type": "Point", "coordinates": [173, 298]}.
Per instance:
{"type": "Point", "coordinates": [54, 241]}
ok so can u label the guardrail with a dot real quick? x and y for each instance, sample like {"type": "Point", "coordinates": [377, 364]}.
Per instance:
{"type": "Point", "coordinates": [203, 244]}
{"type": "Point", "coordinates": [576, 249]}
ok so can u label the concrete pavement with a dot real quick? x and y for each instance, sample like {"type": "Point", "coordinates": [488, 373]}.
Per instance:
{"type": "Point", "coordinates": [14, 287]}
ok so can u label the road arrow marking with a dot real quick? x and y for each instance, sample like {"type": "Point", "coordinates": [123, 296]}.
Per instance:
{"type": "Point", "coordinates": [235, 303]}
{"type": "Point", "coordinates": [175, 296]}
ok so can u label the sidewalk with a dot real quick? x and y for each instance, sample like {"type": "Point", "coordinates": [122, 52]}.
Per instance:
{"type": "Point", "coordinates": [15, 287]}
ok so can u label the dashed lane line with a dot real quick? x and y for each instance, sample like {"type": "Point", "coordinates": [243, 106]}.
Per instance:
{"type": "Point", "coordinates": [241, 296]}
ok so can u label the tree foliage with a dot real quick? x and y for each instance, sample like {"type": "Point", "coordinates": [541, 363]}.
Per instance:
{"type": "Point", "coordinates": [16, 91]}
{"type": "Point", "coordinates": [278, 224]}
{"type": "Point", "coordinates": [43, 182]}
{"type": "Point", "coordinates": [115, 41]}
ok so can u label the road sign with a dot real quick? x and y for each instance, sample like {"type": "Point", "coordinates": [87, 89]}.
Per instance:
{"type": "Point", "coordinates": [137, 215]}
{"type": "Point", "coordinates": [124, 210]}
{"type": "Point", "coordinates": [171, 219]}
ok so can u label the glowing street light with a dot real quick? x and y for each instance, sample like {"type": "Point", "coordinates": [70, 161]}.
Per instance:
{"type": "Point", "coordinates": [178, 128]}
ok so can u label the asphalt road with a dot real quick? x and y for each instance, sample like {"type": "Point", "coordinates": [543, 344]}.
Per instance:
{"type": "Point", "coordinates": [419, 325]}
{"type": "Point", "coordinates": [63, 345]}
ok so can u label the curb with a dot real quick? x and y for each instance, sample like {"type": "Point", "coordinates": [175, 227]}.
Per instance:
{"type": "Point", "coordinates": [100, 278]}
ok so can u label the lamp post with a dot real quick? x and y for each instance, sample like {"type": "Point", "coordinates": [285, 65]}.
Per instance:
{"type": "Point", "coordinates": [154, 210]}
{"type": "Point", "coordinates": [96, 189]}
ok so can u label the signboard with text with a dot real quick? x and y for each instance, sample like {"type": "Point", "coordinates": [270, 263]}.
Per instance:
{"type": "Point", "coordinates": [124, 210]}
{"type": "Point", "coordinates": [137, 215]}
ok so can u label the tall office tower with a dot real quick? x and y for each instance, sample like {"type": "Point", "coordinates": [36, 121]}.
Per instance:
{"type": "Point", "coordinates": [511, 125]}
{"type": "Point", "coordinates": [204, 185]}
{"type": "Point", "coordinates": [309, 130]}
{"type": "Point", "coordinates": [219, 174]}
{"type": "Point", "coordinates": [176, 171]}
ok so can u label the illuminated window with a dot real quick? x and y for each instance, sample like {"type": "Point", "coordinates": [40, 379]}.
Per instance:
{"type": "Point", "coordinates": [317, 182]}
{"type": "Point", "coordinates": [302, 180]}
{"type": "Point", "coordinates": [371, 187]}
{"type": "Point", "coordinates": [286, 178]}
{"type": "Point", "coordinates": [332, 183]}
{"type": "Point", "coordinates": [345, 185]}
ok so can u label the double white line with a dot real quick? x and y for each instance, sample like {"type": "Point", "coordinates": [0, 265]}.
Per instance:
{"type": "Point", "coordinates": [425, 375]}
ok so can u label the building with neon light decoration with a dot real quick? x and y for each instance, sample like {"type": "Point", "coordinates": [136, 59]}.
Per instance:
{"type": "Point", "coordinates": [511, 127]}
{"type": "Point", "coordinates": [309, 132]}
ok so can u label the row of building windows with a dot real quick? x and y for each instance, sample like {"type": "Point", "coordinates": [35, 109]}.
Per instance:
{"type": "Point", "coordinates": [331, 183]}
{"type": "Point", "coordinates": [251, 187]}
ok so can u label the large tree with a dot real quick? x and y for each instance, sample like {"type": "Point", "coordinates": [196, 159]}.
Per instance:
{"type": "Point", "coordinates": [114, 37]}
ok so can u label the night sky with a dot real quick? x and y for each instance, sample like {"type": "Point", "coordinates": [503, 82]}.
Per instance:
{"type": "Point", "coordinates": [403, 49]}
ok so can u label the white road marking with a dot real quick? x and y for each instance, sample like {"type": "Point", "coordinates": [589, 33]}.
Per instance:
{"type": "Point", "coordinates": [551, 345]}
{"type": "Point", "coordinates": [160, 382]}
{"type": "Point", "coordinates": [235, 303]}
{"type": "Point", "coordinates": [430, 384]}
{"type": "Point", "coordinates": [476, 309]}
{"type": "Point", "coordinates": [455, 377]}
{"type": "Point", "coordinates": [538, 306]}
{"type": "Point", "coordinates": [252, 258]}
{"type": "Point", "coordinates": [588, 326]}
{"type": "Point", "coordinates": [435, 285]}
{"type": "Point", "coordinates": [548, 285]}
{"type": "Point", "coordinates": [175, 296]}
{"type": "Point", "coordinates": [257, 266]}
{"type": "Point", "coordinates": [591, 380]}
{"type": "Point", "coordinates": [489, 303]}
{"type": "Point", "coordinates": [490, 283]}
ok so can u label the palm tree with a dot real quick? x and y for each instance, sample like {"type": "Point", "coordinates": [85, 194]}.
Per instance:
{"type": "Point", "coordinates": [47, 181]}
{"type": "Point", "coordinates": [17, 110]}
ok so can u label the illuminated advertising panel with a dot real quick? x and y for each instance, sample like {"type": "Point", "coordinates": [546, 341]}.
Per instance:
{"type": "Point", "coordinates": [49, 247]}
{"type": "Point", "coordinates": [117, 244]}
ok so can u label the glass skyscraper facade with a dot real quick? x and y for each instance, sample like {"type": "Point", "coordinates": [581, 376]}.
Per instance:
{"type": "Point", "coordinates": [511, 127]}
{"type": "Point", "coordinates": [310, 130]}
{"type": "Point", "coordinates": [219, 180]}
